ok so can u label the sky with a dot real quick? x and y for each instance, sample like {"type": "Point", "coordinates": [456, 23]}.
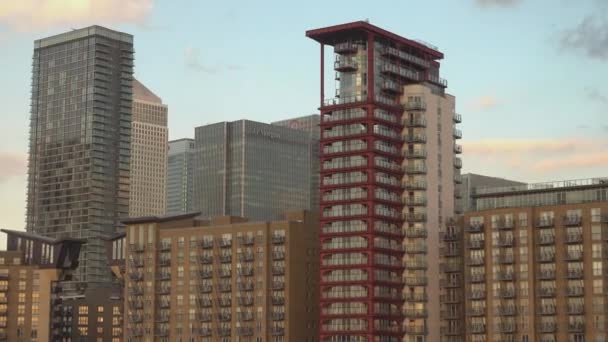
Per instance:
{"type": "Point", "coordinates": [527, 74]}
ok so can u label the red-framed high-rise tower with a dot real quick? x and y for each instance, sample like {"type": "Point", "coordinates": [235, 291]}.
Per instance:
{"type": "Point", "coordinates": [368, 134]}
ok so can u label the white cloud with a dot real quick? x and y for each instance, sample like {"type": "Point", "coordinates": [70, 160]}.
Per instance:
{"type": "Point", "coordinates": [31, 15]}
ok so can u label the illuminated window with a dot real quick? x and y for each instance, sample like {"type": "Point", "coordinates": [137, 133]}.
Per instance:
{"type": "Point", "coordinates": [83, 310]}
{"type": "Point", "coordinates": [100, 309]}
{"type": "Point", "coordinates": [83, 320]}
{"type": "Point", "coordinates": [100, 319]}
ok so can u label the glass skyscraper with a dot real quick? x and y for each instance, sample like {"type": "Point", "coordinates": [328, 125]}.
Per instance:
{"type": "Point", "coordinates": [80, 131]}
{"type": "Point", "coordinates": [180, 169]}
{"type": "Point", "coordinates": [254, 170]}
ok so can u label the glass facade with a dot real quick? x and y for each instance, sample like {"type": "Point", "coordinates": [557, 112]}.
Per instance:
{"type": "Point", "coordinates": [251, 169]}
{"type": "Point", "coordinates": [80, 131]}
{"type": "Point", "coordinates": [180, 181]}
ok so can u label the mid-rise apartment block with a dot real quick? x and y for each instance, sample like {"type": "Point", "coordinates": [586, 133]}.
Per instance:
{"type": "Point", "coordinates": [227, 279]}
{"type": "Point", "coordinates": [529, 264]}
{"type": "Point", "coordinates": [180, 181]}
{"type": "Point", "coordinates": [254, 170]}
{"type": "Point", "coordinates": [31, 269]}
{"type": "Point", "coordinates": [149, 148]}
{"type": "Point", "coordinates": [80, 140]}
{"type": "Point", "coordinates": [388, 176]}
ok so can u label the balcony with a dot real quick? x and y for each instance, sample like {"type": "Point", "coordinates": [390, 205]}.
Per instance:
{"type": "Point", "coordinates": [449, 236]}
{"type": "Point", "coordinates": [225, 258]}
{"type": "Point", "coordinates": [576, 326]}
{"type": "Point", "coordinates": [575, 291]}
{"type": "Point", "coordinates": [477, 311]}
{"type": "Point", "coordinates": [223, 332]}
{"type": "Point", "coordinates": [345, 48]}
{"type": "Point", "coordinates": [546, 275]}
{"type": "Point", "coordinates": [163, 290]}
{"type": "Point", "coordinates": [164, 246]}
{"type": "Point", "coordinates": [546, 292]}
{"type": "Point", "coordinates": [163, 261]}
{"type": "Point", "coordinates": [278, 270]}
{"type": "Point", "coordinates": [451, 267]}
{"type": "Point", "coordinates": [225, 243]}
{"type": "Point", "coordinates": [415, 138]}
{"type": "Point", "coordinates": [343, 64]}
{"type": "Point", "coordinates": [409, 185]}
{"type": "Point", "coordinates": [135, 276]}
{"type": "Point", "coordinates": [392, 87]}
{"type": "Point", "coordinates": [506, 241]}
{"type": "Point", "coordinates": [277, 331]}
{"type": "Point", "coordinates": [546, 239]}
{"type": "Point", "coordinates": [506, 310]}
{"type": "Point", "coordinates": [457, 134]}
{"type": "Point", "coordinates": [457, 149]}
{"type": "Point", "coordinates": [414, 122]}
{"type": "Point", "coordinates": [458, 179]}
{"type": "Point", "coordinates": [205, 317]}
{"type": "Point", "coordinates": [244, 286]}
{"type": "Point", "coordinates": [164, 275]}
{"type": "Point", "coordinates": [206, 244]}
{"type": "Point", "coordinates": [205, 274]}
{"type": "Point", "coordinates": [415, 265]}
{"type": "Point", "coordinates": [415, 154]}
{"type": "Point", "coordinates": [278, 300]}
{"type": "Point", "coordinates": [477, 278]}
{"type": "Point", "coordinates": [244, 331]}
{"type": "Point", "coordinates": [415, 313]}
{"type": "Point", "coordinates": [136, 248]}
{"type": "Point", "coordinates": [414, 217]}
{"type": "Point", "coordinates": [415, 249]}
{"type": "Point", "coordinates": [457, 118]}
{"type": "Point", "coordinates": [505, 224]}
{"type": "Point", "coordinates": [415, 330]}
{"type": "Point", "coordinates": [476, 244]}
{"type": "Point", "coordinates": [414, 201]}
{"type": "Point", "coordinates": [478, 328]}
{"type": "Point", "coordinates": [506, 259]}
{"type": "Point", "coordinates": [573, 238]}
{"type": "Point", "coordinates": [572, 220]}
{"type": "Point", "coordinates": [507, 328]}
{"type": "Point", "coordinates": [414, 106]}
{"type": "Point", "coordinates": [415, 281]}
{"type": "Point", "coordinates": [545, 222]}
{"type": "Point", "coordinates": [477, 295]}
{"type": "Point", "coordinates": [278, 239]}
{"type": "Point", "coordinates": [246, 240]}
{"type": "Point", "coordinates": [204, 302]}
{"type": "Point", "coordinates": [546, 257]}
{"type": "Point", "coordinates": [391, 51]}
{"type": "Point", "coordinates": [476, 261]}
{"type": "Point", "coordinates": [161, 332]}
{"type": "Point", "coordinates": [507, 293]}
{"type": "Point", "coordinates": [574, 256]}
{"type": "Point", "coordinates": [548, 310]}
{"type": "Point", "coordinates": [506, 276]}
{"type": "Point", "coordinates": [278, 255]}
{"type": "Point", "coordinates": [205, 288]}
{"type": "Point", "coordinates": [575, 274]}
{"type": "Point", "coordinates": [245, 301]}
{"type": "Point", "coordinates": [415, 297]}
{"type": "Point", "coordinates": [547, 327]}
{"type": "Point", "coordinates": [401, 72]}
{"type": "Point", "coordinates": [576, 309]}
{"type": "Point", "coordinates": [475, 227]}
{"type": "Point", "coordinates": [205, 259]}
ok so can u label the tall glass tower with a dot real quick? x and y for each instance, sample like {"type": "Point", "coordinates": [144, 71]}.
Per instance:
{"type": "Point", "coordinates": [80, 134]}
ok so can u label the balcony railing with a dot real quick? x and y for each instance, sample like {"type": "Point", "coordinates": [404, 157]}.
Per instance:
{"type": "Point", "coordinates": [414, 105]}
{"type": "Point", "coordinates": [415, 154]}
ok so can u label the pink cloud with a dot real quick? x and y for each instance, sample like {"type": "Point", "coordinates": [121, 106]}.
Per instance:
{"type": "Point", "coordinates": [12, 165]}
{"type": "Point", "coordinates": [485, 102]}
{"type": "Point", "coordinates": [554, 158]}
{"type": "Point", "coordinates": [574, 161]}
{"type": "Point", "coordinates": [28, 15]}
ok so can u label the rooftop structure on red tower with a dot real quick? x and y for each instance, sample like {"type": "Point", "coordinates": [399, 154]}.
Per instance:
{"type": "Point", "coordinates": [379, 219]}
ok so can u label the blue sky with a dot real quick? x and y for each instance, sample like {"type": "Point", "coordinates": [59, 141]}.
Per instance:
{"type": "Point", "coordinates": [528, 75]}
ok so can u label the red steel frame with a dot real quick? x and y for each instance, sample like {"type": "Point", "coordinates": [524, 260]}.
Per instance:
{"type": "Point", "coordinates": [330, 36]}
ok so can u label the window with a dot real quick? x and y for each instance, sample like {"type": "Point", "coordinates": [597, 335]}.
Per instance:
{"type": "Point", "coordinates": [83, 310]}
{"type": "Point", "coordinates": [100, 309]}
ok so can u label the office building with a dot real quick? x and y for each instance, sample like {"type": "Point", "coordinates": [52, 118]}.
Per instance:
{"type": "Point", "coordinates": [149, 148]}
{"type": "Point", "coordinates": [80, 138]}
{"type": "Point", "coordinates": [472, 181]}
{"type": "Point", "coordinates": [529, 264]}
{"type": "Point", "coordinates": [180, 181]}
{"type": "Point", "coordinates": [309, 124]}
{"type": "Point", "coordinates": [252, 169]}
{"type": "Point", "coordinates": [227, 279]}
{"type": "Point", "coordinates": [388, 175]}
{"type": "Point", "coordinates": [31, 269]}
